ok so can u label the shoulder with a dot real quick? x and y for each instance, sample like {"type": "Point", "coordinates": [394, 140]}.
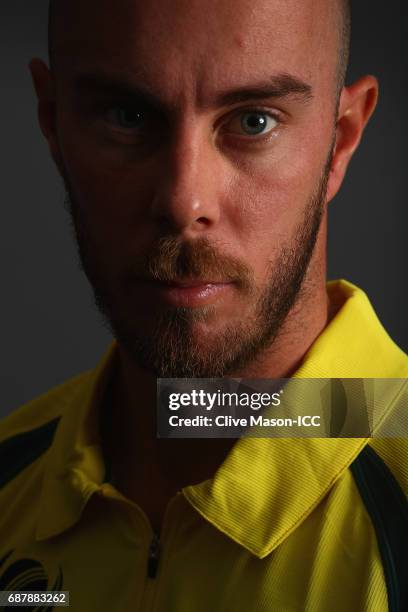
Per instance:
{"type": "Point", "coordinates": [28, 432]}
{"type": "Point", "coordinates": [42, 409]}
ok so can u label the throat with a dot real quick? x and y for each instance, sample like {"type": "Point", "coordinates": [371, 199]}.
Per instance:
{"type": "Point", "coordinates": [152, 478]}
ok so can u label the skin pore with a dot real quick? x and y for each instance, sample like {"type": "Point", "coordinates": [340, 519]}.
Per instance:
{"type": "Point", "coordinates": [198, 142]}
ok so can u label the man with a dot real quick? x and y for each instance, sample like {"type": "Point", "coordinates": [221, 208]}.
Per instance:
{"type": "Point", "coordinates": [200, 145]}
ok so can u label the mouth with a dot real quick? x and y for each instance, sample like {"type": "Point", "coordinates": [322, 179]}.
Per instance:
{"type": "Point", "coordinates": [186, 293]}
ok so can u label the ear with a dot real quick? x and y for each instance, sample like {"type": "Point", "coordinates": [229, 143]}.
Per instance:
{"type": "Point", "coordinates": [357, 104]}
{"type": "Point", "coordinates": [45, 89]}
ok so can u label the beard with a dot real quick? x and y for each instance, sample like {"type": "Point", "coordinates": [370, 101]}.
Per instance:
{"type": "Point", "coordinates": [171, 349]}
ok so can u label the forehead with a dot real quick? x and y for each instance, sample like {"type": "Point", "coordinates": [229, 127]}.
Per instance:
{"type": "Point", "coordinates": [196, 44]}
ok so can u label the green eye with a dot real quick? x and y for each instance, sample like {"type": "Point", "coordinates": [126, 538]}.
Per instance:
{"type": "Point", "coordinates": [251, 123]}
{"type": "Point", "coordinates": [257, 123]}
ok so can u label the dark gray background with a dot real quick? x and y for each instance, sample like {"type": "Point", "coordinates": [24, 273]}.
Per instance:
{"type": "Point", "coordinates": [49, 327]}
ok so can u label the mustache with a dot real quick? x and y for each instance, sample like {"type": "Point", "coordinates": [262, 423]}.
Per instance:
{"type": "Point", "coordinates": [172, 260]}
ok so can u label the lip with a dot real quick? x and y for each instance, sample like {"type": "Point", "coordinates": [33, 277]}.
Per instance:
{"type": "Point", "coordinates": [187, 294]}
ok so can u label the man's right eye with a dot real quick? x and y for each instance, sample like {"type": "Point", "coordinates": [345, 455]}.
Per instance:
{"type": "Point", "coordinates": [126, 118]}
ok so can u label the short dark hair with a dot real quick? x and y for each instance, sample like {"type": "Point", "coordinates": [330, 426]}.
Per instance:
{"type": "Point", "coordinates": [344, 7]}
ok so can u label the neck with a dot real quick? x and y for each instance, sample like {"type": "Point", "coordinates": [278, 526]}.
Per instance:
{"type": "Point", "coordinates": [134, 390]}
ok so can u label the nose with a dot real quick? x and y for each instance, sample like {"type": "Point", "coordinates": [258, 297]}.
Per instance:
{"type": "Point", "coordinates": [187, 196]}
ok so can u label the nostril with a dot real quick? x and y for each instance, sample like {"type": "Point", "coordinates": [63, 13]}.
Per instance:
{"type": "Point", "coordinates": [203, 221]}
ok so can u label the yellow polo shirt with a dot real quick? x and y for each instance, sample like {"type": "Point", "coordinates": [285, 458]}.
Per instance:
{"type": "Point", "coordinates": [281, 527]}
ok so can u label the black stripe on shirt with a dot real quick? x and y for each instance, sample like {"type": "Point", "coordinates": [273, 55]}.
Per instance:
{"type": "Point", "coordinates": [20, 451]}
{"type": "Point", "coordinates": [387, 506]}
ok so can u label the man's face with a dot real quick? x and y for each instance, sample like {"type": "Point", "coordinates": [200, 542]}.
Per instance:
{"type": "Point", "coordinates": [195, 141]}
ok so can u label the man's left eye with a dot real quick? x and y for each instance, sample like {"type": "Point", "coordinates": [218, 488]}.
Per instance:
{"type": "Point", "coordinates": [252, 123]}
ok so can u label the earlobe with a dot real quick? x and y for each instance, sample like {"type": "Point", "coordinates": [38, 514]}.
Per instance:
{"type": "Point", "coordinates": [357, 104]}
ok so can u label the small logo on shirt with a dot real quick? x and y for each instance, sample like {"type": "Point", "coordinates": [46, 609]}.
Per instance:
{"type": "Point", "coordinates": [27, 575]}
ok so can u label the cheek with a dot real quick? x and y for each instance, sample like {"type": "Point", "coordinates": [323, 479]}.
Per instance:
{"type": "Point", "coordinates": [270, 199]}
{"type": "Point", "coordinates": [112, 194]}
{"type": "Point", "coordinates": [111, 204]}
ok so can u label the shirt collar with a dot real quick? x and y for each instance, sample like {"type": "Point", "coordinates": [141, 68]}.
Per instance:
{"type": "Point", "coordinates": [266, 487]}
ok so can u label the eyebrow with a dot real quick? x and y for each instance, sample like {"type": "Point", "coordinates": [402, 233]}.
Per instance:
{"type": "Point", "coordinates": [278, 86]}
